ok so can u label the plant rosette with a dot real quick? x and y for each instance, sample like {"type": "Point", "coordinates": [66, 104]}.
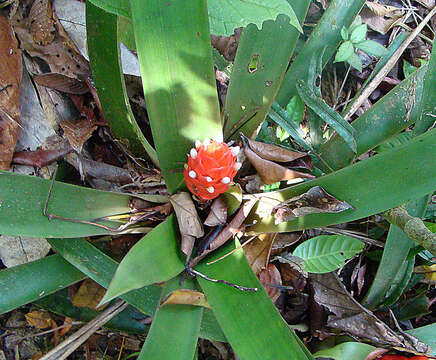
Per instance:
{"type": "Point", "coordinates": [211, 168]}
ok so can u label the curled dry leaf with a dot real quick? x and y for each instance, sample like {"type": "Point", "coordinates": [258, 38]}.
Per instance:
{"type": "Point", "coordinates": [185, 297]}
{"type": "Point", "coordinates": [39, 319]}
{"type": "Point", "coordinates": [78, 132]}
{"type": "Point", "coordinates": [10, 80]}
{"type": "Point", "coordinates": [315, 200]}
{"type": "Point", "coordinates": [381, 17]}
{"type": "Point", "coordinates": [218, 213]}
{"type": "Point", "coordinates": [271, 276]}
{"type": "Point", "coordinates": [189, 222]}
{"type": "Point", "coordinates": [271, 172]}
{"type": "Point", "coordinates": [273, 152]}
{"type": "Point", "coordinates": [258, 251]}
{"type": "Point", "coordinates": [41, 158]}
{"type": "Point", "coordinates": [41, 22]}
{"type": "Point", "coordinates": [227, 45]}
{"type": "Point", "coordinates": [62, 83]}
{"type": "Point", "coordinates": [89, 295]}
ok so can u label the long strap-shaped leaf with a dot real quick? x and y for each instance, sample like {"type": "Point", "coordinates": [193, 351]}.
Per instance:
{"type": "Point", "coordinates": [258, 72]}
{"type": "Point", "coordinates": [105, 61]}
{"type": "Point", "coordinates": [25, 283]}
{"type": "Point", "coordinates": [175, 328]}
{"type": "Point", "coordinates": [368, 186]}
{"type": "Point", "coordinates": [250, 321]}
{"type": "Point", "coordinates": [22, 200]}
{"type": "Point", "coordinates": [101, 268]}
{"type": "Point", "coordinates": [177, 74]}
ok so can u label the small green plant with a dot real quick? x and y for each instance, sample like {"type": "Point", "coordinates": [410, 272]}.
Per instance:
{"type": "Point", "coordinates": [355, 37]}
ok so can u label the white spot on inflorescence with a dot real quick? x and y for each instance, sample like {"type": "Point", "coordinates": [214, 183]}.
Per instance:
{"type": "Point", "coordinates": [225, 180]}
{"type": "Point", "coordinates": [192, 174]}
{"type": "Point", "coordinates": [197, 144]}
{"type": "Point", "coordinates": [185, 166]}
{"type": "Point", "coordinates": [238, 165]}
{"type": "Point", "coordinates": [235, 150]}
{"type": "Point", "coordinates": [210, 189]}
{"type": "Point", "coordinates": [193, 153]}
{"type": "Point", "coordinates": [208, 179]}
{"type": "Point", "coordinates": [206, 142]}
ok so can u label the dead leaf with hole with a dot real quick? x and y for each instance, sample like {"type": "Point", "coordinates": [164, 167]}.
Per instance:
{"type": "Point", "coordinates": [189, 222]}
{"type": "Point", "coordinates": [315, 200]}
{"type": "Point", "coordinates": [78, 132]}
{"type": "Point", "coordinates": [270, 172]}
{"type": "Point", "coordinates": [258, 251]}
{"type": "Point", "coordinates": [271, 276]}
{"type": "Point", "coordinates": [227, 45]}
{"type": "Point", "coordinates": [89, 295]}
{"type": "Point", "coordinates": [185, 297]}
{"type": "Point", "coordinates": [39, 319]}
{"type": "Point", "coordinates": [10, 79]}
{"type": "Point", "coordinates": [62, 83]}
{"type": "Point", "coordinates": [382, 18]}
{"type": "Point", "coordinates": [41, 34]}
{"type": "Point", "coordinates": [349, 316]}
{"type": "Point", "coordinates": [217, 214]}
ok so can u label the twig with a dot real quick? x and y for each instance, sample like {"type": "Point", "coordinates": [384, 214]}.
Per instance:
{"type": "Point", "coordinates": [193, 272]}
{"type": "Point", "coordinates": [388, 66]}
{"type": "Point", "coordinates": [65, 348]}
{"type": "Point", "coordinates": [231, 252]}
{"type": "Point", "coordinates": [413, 227]}
{"type": "Point", "coordinates": [353, 234]}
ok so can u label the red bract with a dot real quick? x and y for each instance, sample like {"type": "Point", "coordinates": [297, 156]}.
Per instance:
{"type": "Point", "coordinates": [399, 357]}
{"type": "Point", "coordinates": [210, 169]}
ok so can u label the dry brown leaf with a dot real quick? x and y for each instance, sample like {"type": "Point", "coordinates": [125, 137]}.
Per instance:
{"type": "Point", "coordinates": [227, 45]}
{"type": "Point", "coordinates": [380, 17]}
{"type": "Point", "coordinates": [39, 319]}
{"type": "Point", "coordinates": [10, 79]}
{"type": "Point", "coordinates": [258, 251]}
{"type": "Point", "coordinates": [78, 132]}
{"type": "Point", "coordinates": [271, 276]}
{"type": "Point", "coordinates": [218, 213]}
{"type": "Point", "coordinates": [42, 35]}
{"type": "Point", "coordinates": [185, 297]}
{"type": "Point", "coordinates": [315, 200]}
{"type": "Point", "coordinates": [273, 152]}
{"type": "Point", "coordinates": [283, 240]}
{"type": "Point", "coordinates": [62, 83]}
{"type": "Point", "coordinates": [68, 324]}
{"type": "Point", "coordinates": [89, 295]}
{"type": "Point", "coordinates": [271, 172]}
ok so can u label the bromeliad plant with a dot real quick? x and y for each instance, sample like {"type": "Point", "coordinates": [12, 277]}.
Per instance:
{"type": "Point", "coordinates": [173, 44]}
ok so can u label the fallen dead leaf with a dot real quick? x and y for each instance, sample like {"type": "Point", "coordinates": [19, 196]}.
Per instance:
{"type": "Point", "coordinates": [218, 213]}
{"type": "Point", "coordinates": [271, 276]}
{"type": "Point", "coordinates": [258, 251]}
{"type": "Point", "coordinates": [315, 200]}
{"type": "Point", "coordinates": [78, 132]}
{"type": "Point", "coordinates": [227, 45]}
{"type": "Point", "coordinates": [62, 83]}
{"type": "Point", "coordinates": [381, 17]}
{"type": "Point", "coordinates": [41, 22]}
{"type": "Point", "coordinates": [10, 80]}
{"type": "Point", "coordinates": [89, 295]}
{"type": "Point", "coordinates": [185, 297]}
{"type": "Point", "coordinates": [39, 319]}
{"type": "Point", "coordinates": [67, 325]}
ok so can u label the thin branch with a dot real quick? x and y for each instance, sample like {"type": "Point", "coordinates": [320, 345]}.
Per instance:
{"type": "Point", "coordinates": [193, 272]}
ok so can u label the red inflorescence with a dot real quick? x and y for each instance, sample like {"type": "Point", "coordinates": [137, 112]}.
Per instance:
{"type": "Point", "coordinates": [210, 169]}
{"type": "Point", "coordinates": [399, 357]}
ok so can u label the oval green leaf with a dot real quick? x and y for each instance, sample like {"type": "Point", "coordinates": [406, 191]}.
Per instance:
{"type": "Point", "coordinates": [346, 351]}
{"type": "Point", "coordinates": [345, 51]}
{"type": "Point", "coordinates": [326, 253]}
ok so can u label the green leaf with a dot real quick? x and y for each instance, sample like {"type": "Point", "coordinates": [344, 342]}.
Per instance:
{"type": "Point", "coordinates": [344, 52]}
{"type": "Point", "coordinates": [129, 320]}
{"type": "Point", "coordinates": [344, 33]}
{"type": "Point", "coordinates": [372, 48]}
{"type": "Point", "coordinates": [22, 200]}
{"type": "Point", "coordinates": [261, 335]}
{"type": "Point", "coordinates": [227, 15]}
{"type": "Point", "coordinates": [154, 258]}
{"type": "Point", "coordinates": [178, 78]}
{"type": "Point", "coordinates": [408, 68]}
{"type": "Point", "coordinates": [327, 34]}
{"type": "Point", "coordinates": [355, 61]}
{"type": "Point", "coordinates": [105, 61]}
{"type": "Point", "coordinates": [257, 74]}
{"type": "Point", "coordinates": [356, 22]}
{"type": "Point", "coordinates": [358, 34]}
{"type": "Point", "coordinates": [411, 174]}
{"type": "Point", "coordinates": [327, 114]}
{"type": "Point", "coordinates": [394, 141]}
{"type": "Point", "coordinates": [173, 327]}
{"type": "Point", "coordinates": [426, 334]}
{"type": "Point", "coordinates": [101, 268]}
{"type": "Point", "coordinates": [326, 253]}
{"type": "Point", "coordinates": [25, 283]}
{"type": "Point", "coordinates": [117, 7]}
{"type": "Point", "coordinates": [346, 351]}
{"type": "Point", "coordinates": [295, 109]}
{"type": "Point", "coordinates": [400, 282]}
